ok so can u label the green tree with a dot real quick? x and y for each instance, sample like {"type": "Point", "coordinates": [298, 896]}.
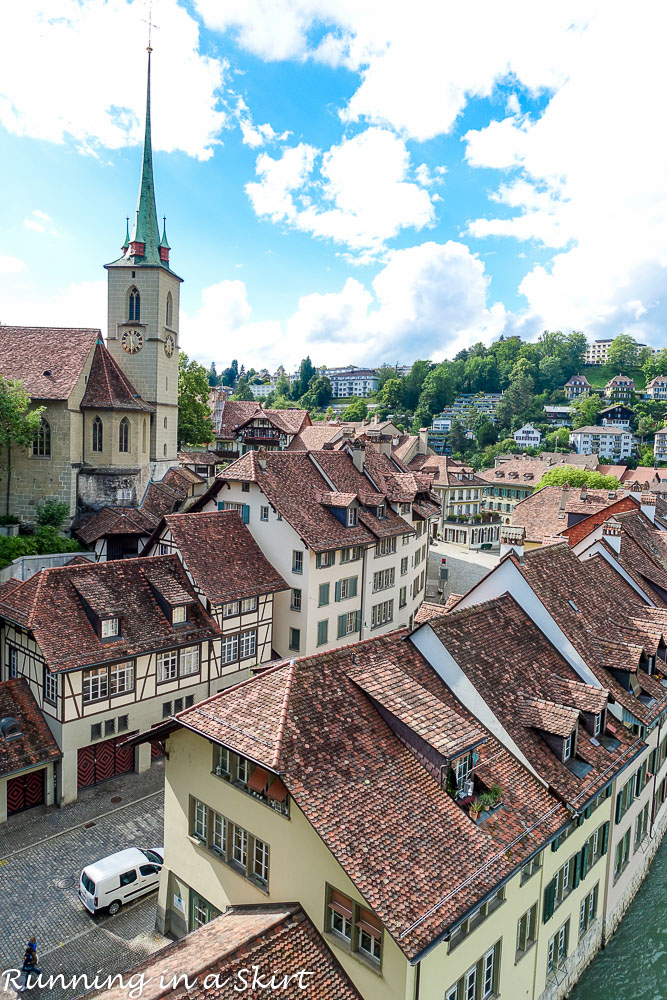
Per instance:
{"type": "Point", "coordinates": [586, 411]}
{"type": "Point", "coordinates": [194, 414]}
{"type": "Point", "coordinates": [282, 385]}
{"type": "Point", "coordinates": [412, 384]}
{"type": "Point", "coordinates": [438, 390]}
{"type": "Point", "coordinates": [320, 390]}
{"type": "Point", "coordinates": [576, 476]}
{"type": "Point", "coordinates": [282, 403]}
{"type": "Point", "coordinates": [306, 373]}
{"type": "Point", "coordinates": [623, 353]}
{"type": "Point", "coordinates": [243, 391]}
{"type": "Point", "coordinates": [357, 410]}
{"type": "Point", "coordinates": [485, 431]}
{"type": "Point", "coordinates": [384, 373]}
{"type": "Point", "coordinates": [212, 375]}
{"type": "Point", "coordinates": [456, 437]}
{"type": "Point", "coordinates": [551, 373]}
{"type": "Point", "coordinates": [390, 397]}
{"type": "Point", "coordinates": [18, 423]}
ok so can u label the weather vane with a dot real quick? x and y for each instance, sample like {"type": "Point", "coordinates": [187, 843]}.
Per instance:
{"type": "Point", "coordinates": [149, 21]}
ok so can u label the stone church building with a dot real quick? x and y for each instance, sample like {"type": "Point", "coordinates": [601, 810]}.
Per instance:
{"type": "Point", "coordinates": [111, 412]}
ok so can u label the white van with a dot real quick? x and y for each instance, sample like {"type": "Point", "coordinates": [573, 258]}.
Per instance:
{"type": "Point", "coordinates": [120, 878]}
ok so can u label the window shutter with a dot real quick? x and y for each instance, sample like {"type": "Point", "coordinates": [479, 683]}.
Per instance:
{"type": "Point", "coordinates": [357, 622]}
{"type": "Point", "coordinates": [221, 505]}
{"type": "Point", "coordinates": [549, 900]}
{"type": "Point", "coordinates": [584, 860]}
{"type": "Point", "coordinates": [332, 558]}
{"type": "Point", "coordinates": [338, 592]}
{"type": "Point", "coordinates": [353, 586]}
{"type": "Point", "coordinates": [576, 875]}
{"type": "Point", "coordinates": [555, 844]}
{"type": "Point", "coordinates": [619, 806]}
{"type": "Point", "coordinates": [605, 838]}
{"type": "Point", "coordinates": [318, 560]}
{"type": "Point", "coordinates": [246, 513]}
{"type": "Point", "coordinates": [341, 624]}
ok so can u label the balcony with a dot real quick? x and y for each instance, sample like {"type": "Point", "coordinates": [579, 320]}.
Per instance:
{"type": "Point", "coordinates": [485, 517]}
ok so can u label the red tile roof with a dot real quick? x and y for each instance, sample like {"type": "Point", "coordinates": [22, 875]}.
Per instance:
{"type": "Point", "coordinates": [52, 605]}
{"type": "Point", "coordinates": [198, 458]}
{"type": "Point", "coordinates": [36, 744]}
{"type": "Point", "coordinates": [109, 388]}
{"type": "Point", "coordinates": [112, 521]}
{"type": "Point", "coordinates": [279, 939]}
{"type": "Point", "coordinates": [315, 436]}
{"type": "Point", "coordinates": [221, 555]}
{"type": "Point", "coordinates": [545, 512]}
{"type": "Point", "coordinates": [231, 414]}
{"type": "Point", "coordinates": [48, 360]}
{"type": "Point", "coordinates": [427, 611]}
{"type": "Point", "coordinates": [414, 855]}
{"type": "Point", "coordinates": [445, 470]}
{"type": "Point", "coordinates": [582, 529]}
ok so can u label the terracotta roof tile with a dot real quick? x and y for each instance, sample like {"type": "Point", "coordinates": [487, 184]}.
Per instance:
{"type": "Point", "coordinates": [29, 352]}
{"type": "Point", "coordinates": [108, 387]}
{"type": "Point", "coordinates": [35, 745]}
{"type": "Point", "coordinates": [223, 558]}
{"type": "Point", "coordinates": [51, 604]}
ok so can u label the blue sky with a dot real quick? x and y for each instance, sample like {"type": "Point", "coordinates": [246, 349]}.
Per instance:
{"type": "Point", "coordinates": [358, 180]}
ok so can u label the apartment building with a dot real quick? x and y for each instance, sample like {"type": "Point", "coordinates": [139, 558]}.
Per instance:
{"type": "Point", "coordinates": [617, 415]}
{"type": "Point", "coordinates": [656, 389]}
{"type": "Point", "coordinates": [527, 436]}
{"type": "Point", "coordinates": [349, 532]}
{"type": "Point", "coordinates": [616, 443]}
{"type": "Point", "coordinates": [107, 649]}
{"type": "Point", "coordinates": [558, 415]}
{"type": "Point", "coordinates": [352, 381]}
{"type": "Point", "coordinates": [461, 491]}
{"type": "Point", "coordinates": [509, 484]}
{"type": "Point", "coordinates": [660, 446]}
{"type": "Point", "coordinates": [577, 386]}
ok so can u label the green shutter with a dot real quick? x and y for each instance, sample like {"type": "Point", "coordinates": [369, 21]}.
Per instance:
{"type": "Point", "coordinates": [549, 900]}
{"type": "Point", "coordinates": [246, 513]}
{"type": "Point", "coordinates": [353, 586]}
{"type": "Point", "coordinates": [619, 806]}
{"type": "Point", "coordinates": [357, 622]}
{"type": "Point", "coordinates": [584, 860]}
{"type": "Point", "coordinates": [341, 624]}
{"type": "Point", "coordinates": [332, 556]}
{"type": "Point", "coordinates": [318, 560]}
{"type": "Point", "coordinates": [221, 505]}
{"type": "Point", "coordinates": [324, 594]}
{"type": "Point", "coordinates": [338, 591]}
{"type": "Point", "coordinates": [605, 838]}
{"type": "Point", "coordinates": [555, 844]}
{"type": "Point", "coordinates": [576, 874]}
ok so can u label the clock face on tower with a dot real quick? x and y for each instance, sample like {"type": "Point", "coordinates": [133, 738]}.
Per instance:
{"type": "Point", "coordinates": [169, 345]}
{"type": "Point", "coordinates": [132, 341]}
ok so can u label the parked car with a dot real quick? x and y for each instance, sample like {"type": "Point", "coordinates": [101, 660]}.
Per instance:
{"type": "Point", "coordinates": [120, 878]}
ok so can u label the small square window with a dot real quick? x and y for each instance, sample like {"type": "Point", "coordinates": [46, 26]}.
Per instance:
{"type": "Point", "coordinates": [264, 513]}
{"type": "Point", "coordinates": [123, 723]}
{"type": "Point", "coordinates": [179, 614]}
{"type": "Point", "coordinates": [178, 705]}
{"type": "Point", "coordinates": [166, 709]}
{"type": "Point", "coordinates": [109, 727]}
{"type": "Point", "coordinates": [109, 628]}
{"type": "Point", "coordinates": [245, 487]}
{"type": "Point", "coordinates": [96, 731]}
{"type": "Point", "coordinates": [295, 639]}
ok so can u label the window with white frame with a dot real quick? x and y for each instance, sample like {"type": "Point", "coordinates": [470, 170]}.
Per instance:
{"type": "Point", "coordinates": [348, 623]}
{"type": "Point", "coordinates": [385, 546]}
{"type": "Point", "coordinates": [568, 746]}
{"type": "Point", "coordinates": [588, 910]}
{"type": "Point", "coordinates": [230, 609]}
{"type": "Point", "coordinates": [13, 659]}
{"type": "Point", "coordinates": [242, 770]}
{"type": "Point", "coordinates": [340, 913]}
{"type": "Point", "coordinates": [248, 644]}
{"type": "Point", "coordinates": [264, 513]}
{"type": "Point", "coordinates": [369, 940]}
{"type": "Point", "coordinates": [384, 579]}
{"type": "Point", "coordinates": [249, 604]}
{"type": "Point", "coordinates": [121, 677]}
{"type": "Point", "coordinates": [402, 597]}
{"type": "Point", "coordinates": [557, 948]}
{"type": "Point", "coordinates": [404, 566]}
{"type": "Point", "coordinates": [219, 835]}
{"type": "Point", "coordinates": [189, 661]}
{"type": "Point", "coordinates": [382, 614]}
{"type": "Point", "coordinates": [597, 724]}
{"type": "Point", "coordinates": [167, 665]}
{"type": "Point", "coordinates": [295, 603]}
{"type": "Point", "coordinates": [352, 516]}
{"type": "Point", "coordinates": [179, 614]}
{"type": "Point", "coordinates": [260, 868]}
{"type": "Point", "coordinates": [200, 820]}
{"type": "Point", "coordinates": [526, 931]}
{"type": "Point", "coordinates": [462, 767]}
{"type": "Point", "coordinates": [229, 648]}
{"type": "Point", "coordinates": [221, 761]}
{"type": "Point", "coordinates": [109, 628]}
{"type": "Point", "coordinates": [641, 826]}
{"type": "Point", "coordinates": [240, 846]}
{"type": "Point", "coordinates": [50, 686]}
{"type": "Point", "coordinates": [350, 555]}
{"type": "Point", "coordinates": [95, 684]}
{"type": "Point", "coordinates": [297, 561]}
{"type": "Point", "coordinates": [325, 559]}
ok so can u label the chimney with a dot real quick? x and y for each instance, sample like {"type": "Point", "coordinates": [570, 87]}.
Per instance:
{"type": "Point", "coordinates": [422, 447]}
{"type": "Point", "coordinates": [611, 532]}
{"type": "Point", "coordinates": [564, 494]}
{"type": "Point", "coordinates": [376, 418]}
{"type": "Point", "coordinates": [583, 496]}
{"type": "Point", "coordinates": [359, 455]}
{"type": "Point", "coordinates": [648, 506]}
{"type": "Point", "coordinates": [512, 538]}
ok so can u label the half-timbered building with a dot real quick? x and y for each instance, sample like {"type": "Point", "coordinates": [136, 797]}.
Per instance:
{"type": "Point", "coordinates": [107, 649]}
{"type": "Point", "coordinates": [233, 579]}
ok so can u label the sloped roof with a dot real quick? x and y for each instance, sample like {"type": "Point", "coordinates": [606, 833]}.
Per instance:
{"type": "Point", "coordinates": [423, 862]}
{"type": "Point", "coordinates": [36, 744]}
{"type": "Point", "coordinates": [231, 414]}
{"type": "Point", "coordinates": [444, 470]}
{"type": "Point", "coordinates": [50, 604]}
{"type": "Point", "coordinates": [223, 558]}
{"type": "Point", "coordinates": [109, 388]}
{"type": "Point", "coordinates": [315, 436]}
{"type": "Point", "coordinates": [30, 352]}
{"type": "Point", "coordinates": [545, 511]}
{"type": "Point", "coordinates": [276, 938]}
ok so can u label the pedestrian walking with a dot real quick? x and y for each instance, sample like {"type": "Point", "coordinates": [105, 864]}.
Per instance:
{"type": "Point", "coordinates": [30, 967]}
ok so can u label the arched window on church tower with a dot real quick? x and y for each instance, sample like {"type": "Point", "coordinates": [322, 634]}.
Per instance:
{"type": "Point", "coordinates": [170, 310]}
{"type": "Point", "coordinates": [134, 306]}
{"type": "Point", "coordinates": [143, 437]}
{"type": "Point", "coordinates": [124, 435]}
{"type": "Point", "coordinates": [97, 434]}
{"type": "Point", "coordinates": [41, 444]}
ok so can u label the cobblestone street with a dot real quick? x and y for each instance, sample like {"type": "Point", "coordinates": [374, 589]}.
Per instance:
{"type": "Point", "coordinates": [38, 884]}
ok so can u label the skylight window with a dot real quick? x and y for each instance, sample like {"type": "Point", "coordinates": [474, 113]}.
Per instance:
{"type": "Point", "coordinates": [573, 606]}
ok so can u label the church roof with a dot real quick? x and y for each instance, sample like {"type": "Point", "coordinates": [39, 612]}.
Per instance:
{"type": "Point", "coordinates": [48, 360]}
{"type": "Point", "coordinates": [108, 386]}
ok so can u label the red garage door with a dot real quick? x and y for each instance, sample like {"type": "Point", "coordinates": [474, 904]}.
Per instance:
{"type": "Point", "coordinates": [101, 761]}
{"type": "Point", "coordinates": [25, 791]}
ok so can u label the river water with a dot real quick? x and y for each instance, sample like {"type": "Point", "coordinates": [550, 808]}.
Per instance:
{"type": "Point", "coordinates": [633, 966]}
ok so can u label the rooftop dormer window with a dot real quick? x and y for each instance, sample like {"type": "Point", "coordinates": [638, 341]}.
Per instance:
{"type": "Point", "coordinates": [352, 517]}
{"type": "Point", "coordinates": [568, 746]}
{"type": "Point", "coordinates": [381, 511]}
{"type": "Point", "coordinates": [179, 614]}
{"type": "Point", "coordinates": [109, 628]}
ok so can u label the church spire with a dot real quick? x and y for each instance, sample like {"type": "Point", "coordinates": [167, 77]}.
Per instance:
{"type": "Point", "coordinates": [145, 238]}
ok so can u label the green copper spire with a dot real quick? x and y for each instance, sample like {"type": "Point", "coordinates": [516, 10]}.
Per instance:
{"type": "Point", "coordinates": [127, 234]}
{"type": "Point", "coordinates": [145, 227]}
{"type": "Point", "coordinates": [164, 242]}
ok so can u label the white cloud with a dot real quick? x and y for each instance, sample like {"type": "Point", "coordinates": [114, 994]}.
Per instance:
{"type": "Point", "coordinates": [363, 196]}
{"type": "Point", "coordinates": [427, 301]}
{"type": "Point", "coordinates": [83, 304]}
{"type": "Point", "coordinates": [10, 265]}
{"type": "Point", "coordinates": [90, 85]}
{"type": "Point", "coordinates": [39, 222]}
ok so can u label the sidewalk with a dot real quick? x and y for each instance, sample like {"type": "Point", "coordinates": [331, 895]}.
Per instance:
{"type": "Point", "coordinates": [34, 825]}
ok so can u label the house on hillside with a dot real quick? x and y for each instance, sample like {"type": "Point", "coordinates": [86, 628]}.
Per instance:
{"type": "Point", "coordinates": [576, 387]}
{"type": "Point", "coordinates": [620, 389]}
{"type": "Point", "coordinates": [612, 442]}
{"type": "Point", "coordinates": [528, 437]}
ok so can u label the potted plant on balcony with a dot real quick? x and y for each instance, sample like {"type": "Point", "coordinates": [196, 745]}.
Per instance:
{"type": "Point", "coordinates": [474, 810]}
{"type": "Point", "coordinates": [495, 795]}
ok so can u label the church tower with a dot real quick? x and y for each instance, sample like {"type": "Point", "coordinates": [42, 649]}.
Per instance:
{"type": "Point", "coordinates": [143, 313]}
